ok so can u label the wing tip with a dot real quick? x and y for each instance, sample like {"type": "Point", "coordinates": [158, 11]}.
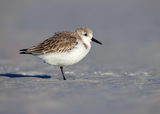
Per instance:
{"type": "Point", "coordinates": [24, 51]}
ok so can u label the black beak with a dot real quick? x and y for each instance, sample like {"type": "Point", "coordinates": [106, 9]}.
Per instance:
{"type": "Point", "coordinates": [94, 40]}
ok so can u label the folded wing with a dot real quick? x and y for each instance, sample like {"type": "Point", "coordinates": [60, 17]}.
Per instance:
{"type": "Point", "coordinates": [60, 43]}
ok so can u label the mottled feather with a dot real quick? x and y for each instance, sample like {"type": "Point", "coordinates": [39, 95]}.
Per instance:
{"type": "Point", "coordinates": [61, 42]}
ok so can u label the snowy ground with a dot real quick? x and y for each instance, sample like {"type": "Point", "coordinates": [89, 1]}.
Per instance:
{"type": "Point", "coordinates": [120, 77]}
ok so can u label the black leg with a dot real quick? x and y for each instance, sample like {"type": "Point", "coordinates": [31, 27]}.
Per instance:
{"type": "Point", "coordinates": [62, 73]}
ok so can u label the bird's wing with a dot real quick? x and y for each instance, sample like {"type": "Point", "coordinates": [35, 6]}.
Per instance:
{"type": "Point", "coordinates": [60, 43]}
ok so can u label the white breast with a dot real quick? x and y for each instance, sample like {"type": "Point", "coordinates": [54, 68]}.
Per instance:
{"type": "Point", "coordinates": [68, 58]}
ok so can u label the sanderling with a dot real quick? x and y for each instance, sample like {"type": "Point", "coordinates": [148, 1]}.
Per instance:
{"type": "Point", "coordinates": [64, 48]}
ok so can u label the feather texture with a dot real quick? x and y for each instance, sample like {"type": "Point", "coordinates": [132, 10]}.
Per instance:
{"type": "Point", "coordinates": [61, 42]}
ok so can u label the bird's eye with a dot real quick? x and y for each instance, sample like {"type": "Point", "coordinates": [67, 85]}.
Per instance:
{"type": "Point", "coordinates": [85, 34]}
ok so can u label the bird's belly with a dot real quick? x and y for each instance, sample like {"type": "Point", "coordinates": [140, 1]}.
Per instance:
{"type": "Point", "coordinates": [65, 59]}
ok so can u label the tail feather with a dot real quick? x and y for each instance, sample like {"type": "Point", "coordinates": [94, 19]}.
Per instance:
{"type": "Point", "coordinates": [24, 51]}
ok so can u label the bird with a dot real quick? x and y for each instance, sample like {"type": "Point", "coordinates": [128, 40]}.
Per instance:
{"type": "Point", "coordinates": [64, 48]}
